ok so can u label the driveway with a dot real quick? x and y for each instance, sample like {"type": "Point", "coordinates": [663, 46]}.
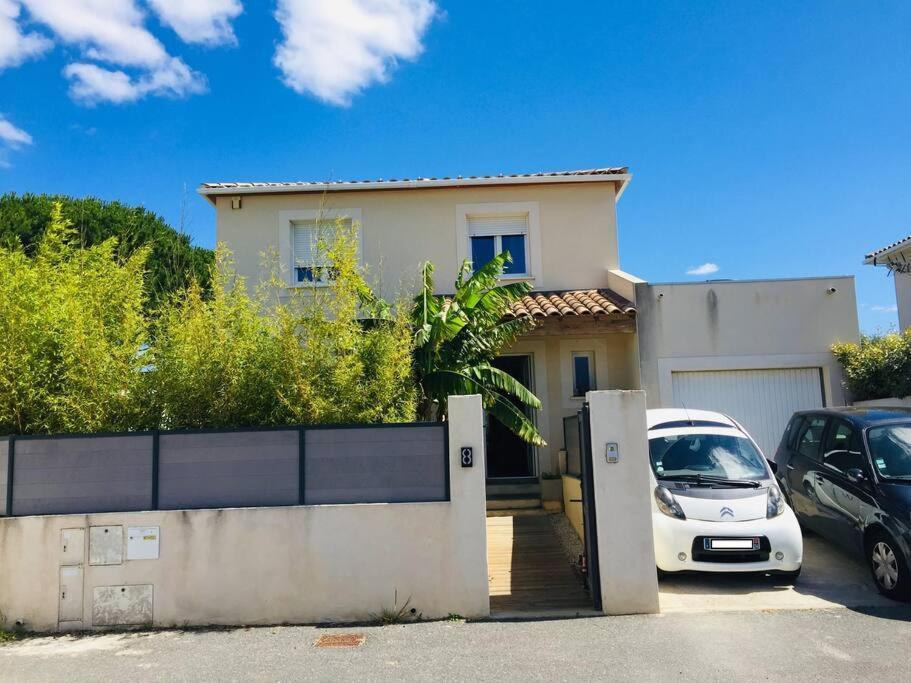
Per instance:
{"type": "Point", "coordinates": [805, 645]}
{"type": "Point", "coordinates": [830, 578]}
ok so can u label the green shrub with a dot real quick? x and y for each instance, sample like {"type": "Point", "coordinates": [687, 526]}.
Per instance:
{"type": "Point", "coordinates": [346, 353]}
{"type": "Point", "coordinates": [214, 361]}
{"type": "Point", "coordinates": [877, 367]}
{"type": "Point", "coordinates": [172, 261]}
{"type": "Point", "coordinates": [311, 357]}
{"type": "Point", "coordinates": [72, 328]}
{"type": "Point", "coordinates": [81, 353]}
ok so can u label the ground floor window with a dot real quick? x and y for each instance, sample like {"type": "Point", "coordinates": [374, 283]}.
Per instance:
{"type": "Point", "coordinates": [583, 373]}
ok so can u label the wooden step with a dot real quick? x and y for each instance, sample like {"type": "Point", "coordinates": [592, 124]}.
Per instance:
{"type": "Point", "coordinates": [512, 503]}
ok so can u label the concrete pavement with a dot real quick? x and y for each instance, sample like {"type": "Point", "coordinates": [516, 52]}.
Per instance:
{"type": "Point", "coordinates": [830, 578]}
{"type": "Point", "coordinates": [801, 644]}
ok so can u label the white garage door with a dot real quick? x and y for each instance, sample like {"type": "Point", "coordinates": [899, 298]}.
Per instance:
{"type": "Point", "coordinates": [761, 400]}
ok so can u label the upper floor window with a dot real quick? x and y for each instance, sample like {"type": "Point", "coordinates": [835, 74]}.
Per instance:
{"type": "Point", "coordinates": [491, 235]}
{"type": "Point", "coordinates": [309, 262]}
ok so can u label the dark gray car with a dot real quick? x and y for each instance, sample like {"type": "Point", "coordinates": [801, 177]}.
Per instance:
{"type": "Point", "coordinates": [847, 474]}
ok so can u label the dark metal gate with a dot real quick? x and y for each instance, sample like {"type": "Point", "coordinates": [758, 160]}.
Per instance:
{"type": "Point", "coordinates": [589, 517]}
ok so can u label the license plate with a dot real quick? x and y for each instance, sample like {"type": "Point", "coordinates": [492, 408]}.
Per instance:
{"type": "Point", "coordinates": [731, 543]}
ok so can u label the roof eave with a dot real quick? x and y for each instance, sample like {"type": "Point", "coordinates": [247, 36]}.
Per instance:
{"type": "Point", "coordinates": [878, 258]}
{"type": "Point", "coordinates": [621, 179]}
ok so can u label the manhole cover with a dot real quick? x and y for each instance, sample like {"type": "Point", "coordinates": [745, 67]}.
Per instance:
{"type": "Point", "coordinates": [340, 640]}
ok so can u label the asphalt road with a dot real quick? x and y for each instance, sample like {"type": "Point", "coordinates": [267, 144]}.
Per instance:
{"type": "Point", "coordinates": [818, 644]}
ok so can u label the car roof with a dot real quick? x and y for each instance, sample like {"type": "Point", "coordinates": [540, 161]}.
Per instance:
{"type": "Point", "coordinates": [680, 417]}
{"type": "Point", "coordinates": [864, 416]}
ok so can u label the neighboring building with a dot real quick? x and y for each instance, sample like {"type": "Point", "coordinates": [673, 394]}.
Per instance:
{"type": "Point", "coordinates": [758, 350]}
{"type": "Point", "coordinates": [897, 258]}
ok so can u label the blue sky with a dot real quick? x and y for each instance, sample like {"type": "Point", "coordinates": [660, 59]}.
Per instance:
{"type": "Point", "coordinates": [769, 138]}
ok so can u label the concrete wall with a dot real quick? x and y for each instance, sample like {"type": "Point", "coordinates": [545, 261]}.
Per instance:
{"type": "Point", "coordinates": [903, 299]}
{"type": "Point", "coordinates": [258, 565]}
{"type": "Point", "coordinates": [402, 229]}
{"type": "Point", "coordinates": [626, 550]}
{"type": "Point", "coordinates": [750, 324]}
{"type": "Point", "coordinates": [884, 403]}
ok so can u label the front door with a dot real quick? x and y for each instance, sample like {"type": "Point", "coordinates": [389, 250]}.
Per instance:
{"type": "Point", "coordinates": [508, 457]}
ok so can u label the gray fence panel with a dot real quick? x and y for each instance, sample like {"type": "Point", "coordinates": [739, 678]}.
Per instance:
{"type": "Point", "coordinates": [4, 473]}
{"type": "Point", "coordinates": [375, 465]}
{"type": "Point", "coordinates": [82, 474]}
{"type": "Point", "coordinates": [228, 469]}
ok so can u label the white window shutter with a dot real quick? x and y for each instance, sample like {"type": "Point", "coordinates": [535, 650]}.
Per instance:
{"type": "Point", "coordinates": [515, 224]}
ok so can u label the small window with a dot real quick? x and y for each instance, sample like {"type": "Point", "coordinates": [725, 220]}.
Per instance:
{"type": "Point", "coordinates": [492, 235]}
{"type": "Point", "coordinates": [811, 437]}
{"type": "Point", "coordinates": [583, 373]}
{"type": "Point", "coordinates": [309, 264]}
{"type": "Point", "coordinates": [842, 448]}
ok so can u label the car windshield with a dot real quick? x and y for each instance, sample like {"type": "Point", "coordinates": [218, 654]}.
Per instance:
{"type": "Point", "coordinates": [715, 455]}
{"type": "Point", "coordinates": [890, 448]}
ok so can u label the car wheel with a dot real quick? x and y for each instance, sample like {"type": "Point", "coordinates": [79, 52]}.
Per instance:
{"type": "Point", "coordinates": [889, 567]}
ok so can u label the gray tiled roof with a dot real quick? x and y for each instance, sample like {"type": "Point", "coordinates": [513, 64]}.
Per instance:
{"type": "Point", "coordinates": [418, 181]}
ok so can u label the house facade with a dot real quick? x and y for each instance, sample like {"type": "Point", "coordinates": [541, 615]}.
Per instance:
{"type": "Point", "coordinates": [896, 258]}
{"type": "Point", "coordinates": [758, 350]}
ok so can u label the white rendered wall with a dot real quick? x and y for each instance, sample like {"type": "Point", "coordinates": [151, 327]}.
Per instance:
{"type": "Point", "coordinates": [331, 563]}
{"type": "Point", "coordinates": [626, 550]}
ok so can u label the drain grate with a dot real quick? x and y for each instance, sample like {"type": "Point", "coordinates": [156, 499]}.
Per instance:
{"type": "Point", "coordinates": [340, 640]}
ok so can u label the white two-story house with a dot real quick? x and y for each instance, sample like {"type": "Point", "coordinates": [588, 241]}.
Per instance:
{"type": "Point", "coordinates": [755, 349]}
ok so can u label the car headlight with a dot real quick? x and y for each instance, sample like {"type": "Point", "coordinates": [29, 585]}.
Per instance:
{"type": "Point", "coordinates": [667, 503]}
{"type": "Point", "coordinates": [775, 504]}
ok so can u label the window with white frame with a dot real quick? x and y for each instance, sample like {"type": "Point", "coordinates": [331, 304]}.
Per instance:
{"type": "Point", "coordinates": [309, 264]}
{"type": "Point", "coordinates": [583, 373]}
{"type": "Point", "coordinates": [491, 235]}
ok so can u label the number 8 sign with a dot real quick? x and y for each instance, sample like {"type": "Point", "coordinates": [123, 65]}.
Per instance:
{"type": "Point", "coordinates": [467, 456]}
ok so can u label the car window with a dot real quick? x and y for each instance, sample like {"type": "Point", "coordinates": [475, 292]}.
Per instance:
{"type": "Point", "coordinates": [811, 437]}
{"type": "Point", "coordinates": [792, 431]}
{"type": "Point", "coordinates": [731, 457]}
{"type": "Point", "coordinates": [890, 449]}
{"type": "Point", "coordinates": [842, 448]}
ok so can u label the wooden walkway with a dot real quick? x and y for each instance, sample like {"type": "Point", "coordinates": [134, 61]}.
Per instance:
{"type": "Point", "coordinates": [529, 570]}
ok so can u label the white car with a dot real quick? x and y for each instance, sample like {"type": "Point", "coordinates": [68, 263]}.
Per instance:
{"type": "Point", "coordinates": [716, 506]}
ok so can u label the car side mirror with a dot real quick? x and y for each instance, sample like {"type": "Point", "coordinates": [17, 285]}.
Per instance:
{"type": "Point", "coordinates": [856, 475]}
{"type": "Point", "coordinates": [773, 466]}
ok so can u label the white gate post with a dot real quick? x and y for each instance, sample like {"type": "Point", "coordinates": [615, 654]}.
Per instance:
{"type": "Point", "coordinates": [626, 550]}
{"type": "Point", "coordinates": [469, 501]}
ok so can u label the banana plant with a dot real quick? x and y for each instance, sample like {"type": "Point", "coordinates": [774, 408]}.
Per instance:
{"type": "Point", "coordinates": [457, 338]}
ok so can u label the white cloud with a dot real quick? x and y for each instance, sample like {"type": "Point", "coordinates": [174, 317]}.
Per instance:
{"type": "Point", "coordinates": [12, 136]}
{"type": "Point", "coordinates": [90, 83]}
{"type": "Point", "coordinates": [333, 49]}
{"type": "Point", "coordinates": [704, 269]}
{"type": "Point", "coordinates": [107, 30]}
{"type": "Point", "coordinates": [200, 21]}
{"type": "Point", "coordinates": [884, 309]}
{"type": "Point", "coordinates": [113, 31]}
{"type": "Point", "coordinates": [16, 46]}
